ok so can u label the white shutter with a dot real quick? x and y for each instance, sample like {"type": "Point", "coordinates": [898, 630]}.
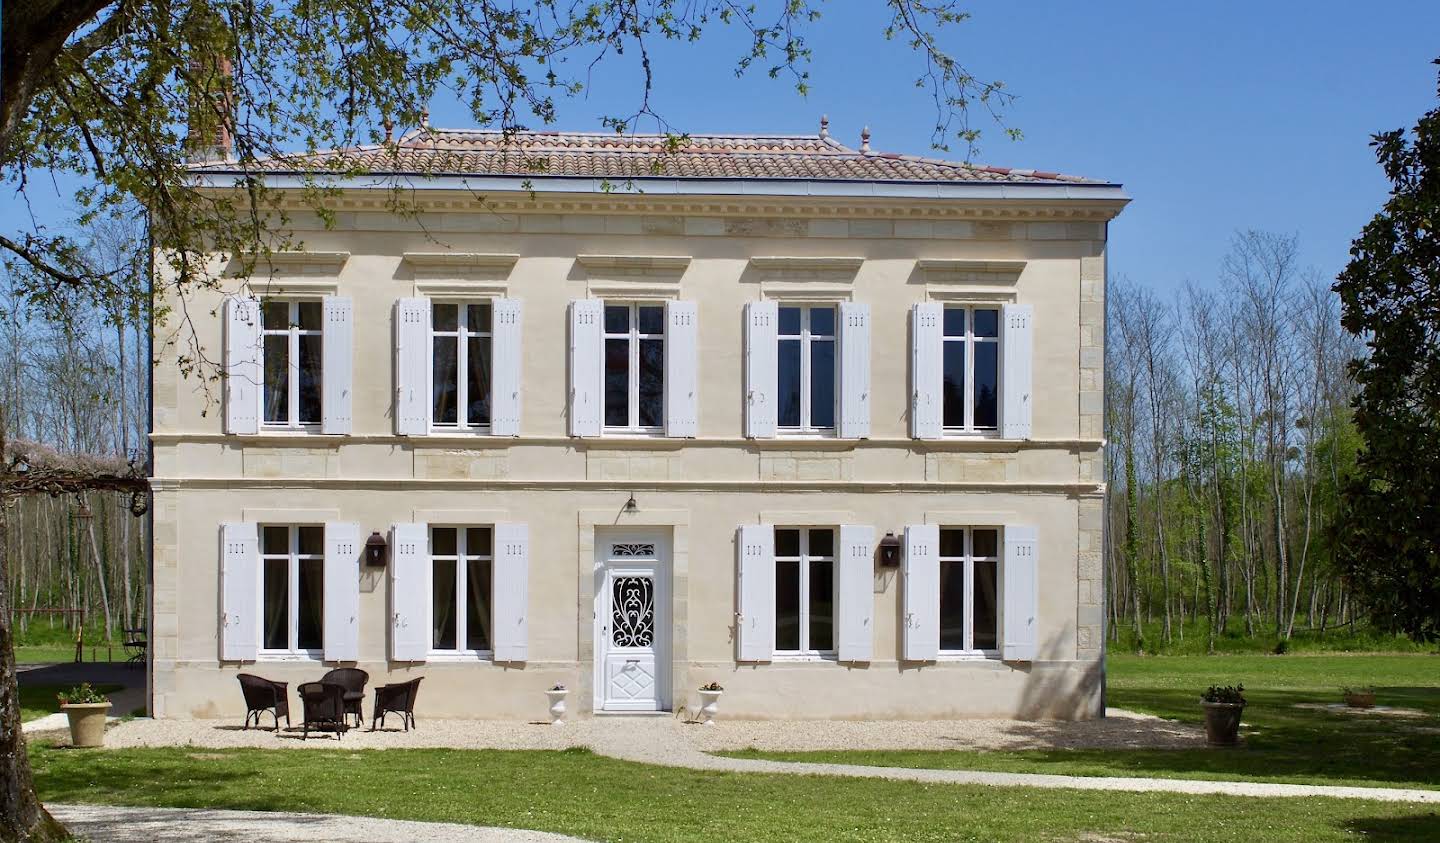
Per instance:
{"type": "Point", "coordinates": [1020, 587]}
{"type": "Point", "coordinates": [510, 594]}
{"type": "Point", "coordinates": [857, 593]}
{"type": "Point", "coordinates": [506, 357]}
{"type": "Point", "coordinates": [761, 374]}
{"type": "Point", "coordinates": [927, 370]}
{"type": "Point", "coordinates": [1017, 350]}
{"type": "Point", "coordinates": [682, 380]}
{"type": "Point", "coordinates": [243, 378]}
{"type": "Point", "coordinates": [409, 593]}
{"type": "Point", "coordinates": [586, 358]}
{"type": "Point", "coordinates": [412, 366]}
{"type": "Point", "coordinates": [854, 370]}
{"type": "Point", "coordinates": [240, 591]}
{"type": "Point", "coordinates": [921, 595]}
{"type": "Point", "coordinates": [755, 593]}
{"type": "Point", "coordinates": [337, 350]}
{"type": "Point", "coordinates": [342, 592]}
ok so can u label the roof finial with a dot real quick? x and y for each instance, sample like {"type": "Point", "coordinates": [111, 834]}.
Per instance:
{"type": "Point", "coordinates": [824, 126]}
{"type": "Point", "coordinates": [865, 139]}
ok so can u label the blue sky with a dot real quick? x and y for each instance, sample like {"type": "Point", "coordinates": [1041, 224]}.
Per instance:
{"type": "Point", "coordinates": [1240, 115]}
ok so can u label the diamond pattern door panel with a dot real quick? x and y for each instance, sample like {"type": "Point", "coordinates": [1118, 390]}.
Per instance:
{"type": "Point", "coordinates": [632, 679]}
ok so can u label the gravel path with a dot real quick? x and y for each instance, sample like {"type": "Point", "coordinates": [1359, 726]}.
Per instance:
{"type": "Point", "coordinates": [105, 824]}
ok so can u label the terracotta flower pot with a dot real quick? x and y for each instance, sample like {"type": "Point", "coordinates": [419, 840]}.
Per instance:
{"type": "Point", "coordinates": [87, 723]}
{"type": "Point", "coordinates": [1360, 699]}
{"type": "Point", "coordinates": [1222, 723]}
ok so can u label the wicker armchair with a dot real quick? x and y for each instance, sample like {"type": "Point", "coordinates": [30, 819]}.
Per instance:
{"type": "Point", "coordinates": [353, 680]}
{"type": "Point", "coordinates": [324, 705]}
{"type": "Point", "coordinates": [262, 695]}
{"type": "Point", "coordinates": [398, 698]}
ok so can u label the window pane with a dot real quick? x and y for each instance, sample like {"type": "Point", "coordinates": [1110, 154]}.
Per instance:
{"type": "Point", "coordinates": [310, 379]}
{"type": "Point", "coordinates": [822, 542]}
{"type": "Point", "coordinates": [311, 634]}
{"type": "Point", "coordinates": [277, 378]}
{"type": "Point", "coordinates": [954, 322]}
{"type": "Point", "coordinates": [312, 541]}
{"type": "Point", "coordinates": [788, 383]}
{"type": "Point", "coordinates": [477, 541]}
{"type": "Point", "coordinates": [985, 614]}
{"type": "Point", "coordinates": [444, 317]}
{"type": "Point", "coordinates": [952, 605]}
{"type": "Point", "coordinates": [987, 323]}
{"type": "Point", "coordinates": [444, 389]}
{"type": "Point", "coordinates": [442, 605]}
{"type": "Point", "coordinates": [822, 383]}
{"type": "Point", "coordinates": [478, 381]}
{"type": "Point", "coordinates": [276, 540]}
{"type": "Point", "coordinates": [276, 613]}
{"type": "Point", "coordinates": [477, 605]}
{"type": "Point", "coordinates": [617, 383]}
{"type": "Point", "coordinates": [652, 320]}
{"type": "Point", "coordinates": [617, 318]}
{"type": "Point", "coordinates": [442, 541]}
{"type": "Point", "coordinates": [652, 383]}
{"type": "Point", "coordinates": [984, 543]}
{"type": "Point", "coordinates": [275, 315]}
{"type": "Point", "coordinates": [987, 384]}
{"type": "Point", "coordinates": [787, 542]}
{"type": "Point", "coordinates": [310, 315]}
{"type": "Point", "coordinates": [478, 318]}
{"type": "Point", "coordinates": [787, 605]}
{"type": "Point", "coordinates": [822, 321]}
{"type": "Point", "coordinates": [822, 606]}
{"type": "Point", "coordinates": [954, 385]}
{"type": "Point", "coordinates": [790, 320]}
{"type": "Point", "coordinates": [952, 543]}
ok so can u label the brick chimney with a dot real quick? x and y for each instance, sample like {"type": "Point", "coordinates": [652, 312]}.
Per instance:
{"type": "Point", "coordinates": [211, 82]}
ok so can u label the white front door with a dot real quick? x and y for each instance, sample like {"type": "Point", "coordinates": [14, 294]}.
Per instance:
{"type": "Point", "coordinates": [632, 621]}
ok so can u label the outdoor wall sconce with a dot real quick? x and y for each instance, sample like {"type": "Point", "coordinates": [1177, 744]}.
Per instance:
{"type": "Point", "coordinates": [375, 551]}
{"type": "Point", "coordinates": [631, 506]}
{"type": "Point", "coordinates": [889, 551]}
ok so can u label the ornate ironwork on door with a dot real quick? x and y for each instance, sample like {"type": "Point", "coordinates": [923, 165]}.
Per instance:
{"type": "Point", "coordinates": [634, 549]}
{"type": "Point", "coordinates": [632, 612]}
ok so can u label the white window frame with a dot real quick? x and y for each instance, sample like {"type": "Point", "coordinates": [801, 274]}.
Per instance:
{"type": "Point", "coordinates": [968, 560]}
{"type": "Point", "coordinates": [292, 362]}
{"type": "Point", "coordinates": [462, 572]}
{"type": "Point", "coordinates": [806, 653]}
{"type": "Point", "coordinates": [806, 338]}
{"type": "Point", "coordinates": [292, 558]}
{"type": "Point", "coordinates": [969, 340]}
{"type": "Point", "coordinates": [462, 365]}
{"type": "Point", "coordinates": [632, 389]}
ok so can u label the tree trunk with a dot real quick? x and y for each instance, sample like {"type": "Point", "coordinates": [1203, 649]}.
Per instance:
{"type": "Point", "coordinates": [100, 577]}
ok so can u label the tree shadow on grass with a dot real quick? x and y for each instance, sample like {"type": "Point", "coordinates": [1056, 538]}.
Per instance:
{"type": "Point", "coordinates": [1424, 827]}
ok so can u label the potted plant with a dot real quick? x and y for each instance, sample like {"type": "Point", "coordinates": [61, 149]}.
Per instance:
{"type": "Point", "coordinates": [1363, 697]}
{"type": "Point", "coordinates": [86, 709]}
{"type": "Point", "coordinates": [710, 702]}
{"type": "Point", "coordinates": [1223, 707]}
{"type": "Point", "coordinates": [557, 703]}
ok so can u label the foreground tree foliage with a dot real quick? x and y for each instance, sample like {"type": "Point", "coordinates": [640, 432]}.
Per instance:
{"type": "Point", "coordinates": [1391, 296]}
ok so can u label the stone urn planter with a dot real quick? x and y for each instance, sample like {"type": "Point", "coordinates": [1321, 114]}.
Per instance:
{"type": "Point", "coordinates": [86, 709]}
{"type": "Point", "coordinates": [1360, 697]}
{"type": "Point", "coordinates": [710, 703]}
{"type": "Point", "coordinates": [1222, 723]}
{"type": "Point", "coordinates": [557, 696]}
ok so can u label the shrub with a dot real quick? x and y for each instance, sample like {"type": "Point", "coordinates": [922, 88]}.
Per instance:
{"type": "Point", "coordinates": [711, 686]}
{"type": "Point", "coordinates": [1232, 694]}
{"type": "Point", "coordinates": [81, 694]}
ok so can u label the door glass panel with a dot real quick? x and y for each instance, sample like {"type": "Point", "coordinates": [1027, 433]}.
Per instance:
{"type": "Point", "coordinates": [311, 635]}
{"type": "Point", "coordinates": [445, 388]}
{"type": "Point", "coordinates": [632, 612]}
{"type": "Point", "coordinates": [788, 383]}
{"type": "Point", "coordinates": [954, 385]}
{"type": "Point", "coordinates": [787, 605]}
{"type": "Point", "coordinates": [277, 378]}
{"type": "Point", "coordinates": [952, 605]}
{"type": "Point", "coordinates": [822, 383]}
{"type": "Point", "coordinates": [275, 633]}
{"type": "Point", "coordinates": [652, 382]}
{"type": "Point", "coordinates": [987, 323]}
{"type": "Point", "coordinates": [822, 321]}
{"type": "Point", "coordinates": [987, 384]}
{"type": "Point", "coordinates": [652, 320]}
{"type": "Point", "coordinates": [444, 317]}
{"type": "Point", "coordinates": [310, 377]}
{"type": "Point", "coordinates": [822, 606]}
{"type": "Point", "coordinates": [478, 383]}
{"type": "Point", "coordinates": [617, 383]}
{"type": "Point", "coordinates": [310, 315]}
{"type": "Point", "coordinates": [985, 615]}
{"type": "Point", "coordinates": [477, 604]}
{"type": "Point", "coordinates": [442, 611]}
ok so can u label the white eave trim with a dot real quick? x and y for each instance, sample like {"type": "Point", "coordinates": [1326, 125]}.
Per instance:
{"type": "Point", "coordinates": [465, 260]}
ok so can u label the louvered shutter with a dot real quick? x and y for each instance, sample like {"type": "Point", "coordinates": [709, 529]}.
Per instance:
{"type": "Point", "coordinates": [337, 374]}
{"type": "Point", "coordinates": [927, 370]}
{"type": "Point", "coordinates": [1020, 584]}
{"type": "Point", "coordinates": [342, 592]}
{"type": "Point", "coordinates": [412, 366]}
{"type": "Point", "coordinates": [410, 593]}
{"type": "Point", "coordinates": [1017, 349]}
{"type": "Point", "coordinates": [857, 593]}
{"type": "Point", "coordinates": [240, 591]}
{"type": "Point", "coordinates": [243, 377]}
{"type": "Point", "coordinates": [755, 593]}
{"type": "Point", "coordinates": [921, 596]}
{"type": "Point", "coordinates": [854, 370]}
{"type": "Point", "coordinates": [509, 604]}
{"type": "Point", "coordinates": [586, 358]}
{"type": "Point", "coordinates": [682, 402]}
{"type": "Point", "coordinates": [505, 380]}
{"type": "Point", "coordinates": [761, 373]}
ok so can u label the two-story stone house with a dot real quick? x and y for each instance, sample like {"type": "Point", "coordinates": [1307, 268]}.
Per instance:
{"type": "Point", "coordinates": [819, 423]}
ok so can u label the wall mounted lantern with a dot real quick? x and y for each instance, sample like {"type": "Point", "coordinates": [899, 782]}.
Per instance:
{"type": "Point", "coordinates": [375, 551]}
{"type": "Point", "coordinates": [889, 551]}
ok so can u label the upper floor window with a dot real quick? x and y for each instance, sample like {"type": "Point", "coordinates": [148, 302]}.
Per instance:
{"type": "Point", "coordinates": [460, 375]}
{"type": "Point", "coordinates": [969, 589]}
{"type": "Point", "coordinates": [806, 378]}
{"type": "Point", "coordinates": [971, 369]}
{"type": "Point", "coordinates": [634, 337]}
{"type": "Point", "coordinates": [460, 559]}
{"type": "Point", "coordinates": [292, 362]}
{"type": "Point", "coordinates": [804, 591]}
{"type": "Point", "coordinates": [292, 607]}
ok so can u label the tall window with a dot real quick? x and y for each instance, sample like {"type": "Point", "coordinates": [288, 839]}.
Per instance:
{"type": "Point", "coordinates": [969, 580]}
{"type": "Point", "coordinates": [972, 368]}
{"type": "Point", "coordinates": [292, 362]}
{"type": "Point", "coordinates": [634, 367]}
{"type": "Point", "coordinates": [460, 578]}
{"type": "Point", "coordinates": [292, 610]}
{"type": "Point", "coordinates": [807, 368]}
{"type": "Point", "coordinates": [804, 591]}
{"type": "Point", "coordinates": [460, 375]}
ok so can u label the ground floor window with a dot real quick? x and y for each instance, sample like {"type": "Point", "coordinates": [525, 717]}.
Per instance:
{"type": "Point", "coordinates": [460, 559]}
{"type": "Point", "coordinates": [804, 591]}
{"type": "Point", "coordinates": [969, 580]}
{"type": "Point", "coordinates": [292, 616]}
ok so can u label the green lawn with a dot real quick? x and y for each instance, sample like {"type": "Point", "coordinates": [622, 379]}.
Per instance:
{"type": "Point", "coordinates": [36, 701]}
{"type": "Point", "coordinates": [1282, 743]}
{"type": "Point", "coordinates": [576, 792]}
